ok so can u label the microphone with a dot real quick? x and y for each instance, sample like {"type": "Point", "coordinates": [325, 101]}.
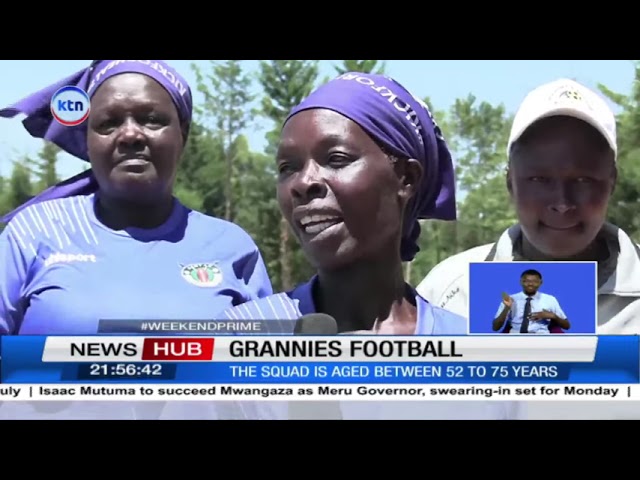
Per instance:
{"type": "Point", "coordinates": [316, 324]}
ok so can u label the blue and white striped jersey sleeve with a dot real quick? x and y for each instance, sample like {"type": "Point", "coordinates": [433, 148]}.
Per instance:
{"type": "Point", "coordinates": [279, 311]}
{"type": "Point", "coordinates": [16, 254]}
{"type": "Point", "coordinates": [274, 307]}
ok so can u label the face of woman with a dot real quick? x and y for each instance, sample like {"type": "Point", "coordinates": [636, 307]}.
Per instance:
{"type": "Point", "coordinates": [134, 139]}
{"type": "Point", "coordinates": [341, 194]}
{"type": "Point", "coordinates": [560, 179]}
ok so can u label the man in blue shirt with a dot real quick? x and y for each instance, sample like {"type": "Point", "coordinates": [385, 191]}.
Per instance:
{"type": "Point", "coordinates": [530, 311]}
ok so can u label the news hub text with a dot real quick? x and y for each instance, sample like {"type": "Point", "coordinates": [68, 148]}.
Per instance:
{"type": "Point", "coordinates": [195, 349]}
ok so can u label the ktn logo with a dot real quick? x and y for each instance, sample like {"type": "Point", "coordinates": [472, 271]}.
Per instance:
{"type": "Point", "coordinates": [70, 106]}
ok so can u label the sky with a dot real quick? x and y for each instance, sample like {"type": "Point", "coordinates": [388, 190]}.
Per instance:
{"type": "Point", "coordinates": [494, 81]}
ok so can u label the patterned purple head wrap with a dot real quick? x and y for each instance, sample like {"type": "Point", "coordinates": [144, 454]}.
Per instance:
{"type": "Point", "coordinates": [403, 124]}
{"type": "Point", "coordinates": [73, 140]}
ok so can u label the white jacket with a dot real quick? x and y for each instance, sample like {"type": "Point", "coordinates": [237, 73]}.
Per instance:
{"type": "Point", "coordinates": [447, 286]}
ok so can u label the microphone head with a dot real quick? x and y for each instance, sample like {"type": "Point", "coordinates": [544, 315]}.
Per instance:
{"type": "Point", "coordinates": [316, 324]}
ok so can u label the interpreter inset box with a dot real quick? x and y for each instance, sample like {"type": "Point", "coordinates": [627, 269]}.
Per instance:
{"type": "Point", "coordinates": [535, 298]}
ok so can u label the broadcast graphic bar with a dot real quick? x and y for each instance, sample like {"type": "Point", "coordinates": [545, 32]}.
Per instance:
{"type": "Point", "coordinates": [318, 393]}
{"type": "Point", "coordinates": [373, 360]}
{"type": "Point", "coordinates": [196, 327]}
{"type": "Point", "coordinates": [313, 349]}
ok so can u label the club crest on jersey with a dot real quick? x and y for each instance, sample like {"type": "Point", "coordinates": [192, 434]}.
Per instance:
{"type": "Point", "coordinates": [202, 274]}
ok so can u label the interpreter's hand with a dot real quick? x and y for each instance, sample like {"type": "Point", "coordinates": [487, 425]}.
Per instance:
{"type": "Point", "coordinates": [507, 300]}
{"type": "Point", "coordinates": [543, 315]}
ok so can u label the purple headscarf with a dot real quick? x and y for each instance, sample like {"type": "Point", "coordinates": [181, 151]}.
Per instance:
{"type": "Point", "coordinates": [403, 124]}
{"type": "Point", "coordinates": [73, 140]}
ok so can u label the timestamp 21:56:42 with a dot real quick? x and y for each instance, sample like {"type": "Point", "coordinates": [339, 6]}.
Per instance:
{"type": "Point", "coordinates": [95, 371]}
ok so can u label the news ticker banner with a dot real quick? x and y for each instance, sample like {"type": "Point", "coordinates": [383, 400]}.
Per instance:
{"type": "Point", "coordinates": [371, 360]}
{"type": "Point", "coordinates": [317, 393]}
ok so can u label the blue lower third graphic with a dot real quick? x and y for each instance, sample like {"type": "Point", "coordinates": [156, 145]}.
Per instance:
{"type": "Point", "coordinates": [617, 360]}
{"type": "Point", "coordinates": [308, 373]}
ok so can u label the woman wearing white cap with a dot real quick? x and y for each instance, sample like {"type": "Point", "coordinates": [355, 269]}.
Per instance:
{"type": "Point", "coordinates": [561, 175]}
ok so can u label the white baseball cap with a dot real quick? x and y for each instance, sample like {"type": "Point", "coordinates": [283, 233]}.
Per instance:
{"type": "Point", "coordinates": [565, 97]}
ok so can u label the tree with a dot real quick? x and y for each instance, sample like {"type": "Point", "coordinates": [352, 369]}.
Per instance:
{"type": "Point", "coordinates": [363, 66]}
{"type": "Point", "coordinates": [624, 203]}
{"type": "Point", "coordinates": [482, 132]}
{"type": "Point", "coordinates": [20, 188]}
{"type": "Point", "coordinates": [44, 167]}
{"type": "Point", "coordinates": [201, 176]}
{"type": "Point", "coordinates": [227, 97]}
{"type": "Point", "coordinates": [258, 211]}
{"type": "Point", "coordinates": [4, 198]}
{"type": "Point", "coordinates": [438, 239]}
{"type": "Point", "coordinates": [285, 83]}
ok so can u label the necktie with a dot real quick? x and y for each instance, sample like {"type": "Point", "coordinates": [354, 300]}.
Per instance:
{"type": "Point", "coordinates": [524, 328]}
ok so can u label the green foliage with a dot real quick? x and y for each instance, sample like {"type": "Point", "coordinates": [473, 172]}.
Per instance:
{"type": "Point", "coordinates": [363, 66]}
{"type": "Point", "coordinates": [221, 176]}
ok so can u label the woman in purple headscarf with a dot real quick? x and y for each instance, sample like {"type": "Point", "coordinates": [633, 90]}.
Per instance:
{"type": "Point", "coordinates": [112, 242]}
{"type": "Point", "coordinates": [360, 161]}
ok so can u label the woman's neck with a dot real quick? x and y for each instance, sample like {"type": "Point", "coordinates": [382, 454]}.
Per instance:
{"type": "Point", "coordinates": [364, 295]}
{"type": "Point", "coordinates": [119, 214]}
